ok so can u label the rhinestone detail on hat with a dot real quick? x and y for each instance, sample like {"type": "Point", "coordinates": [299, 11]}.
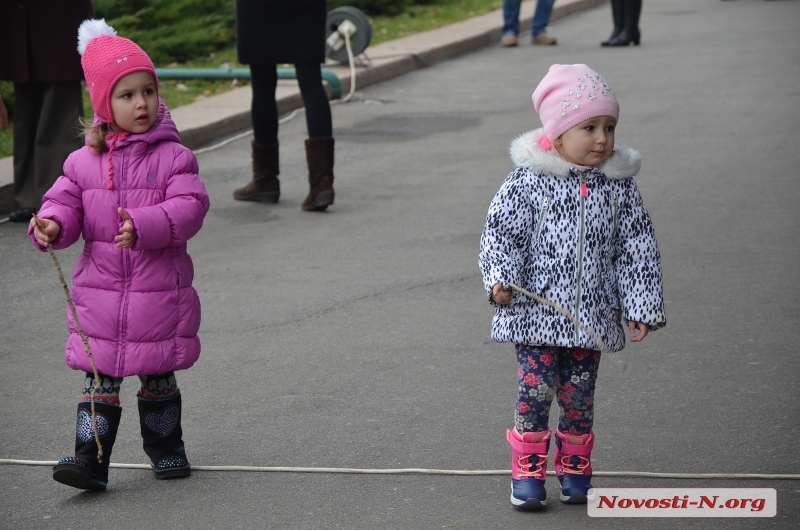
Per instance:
{"type": "Point", "coordinates": [577, 94]}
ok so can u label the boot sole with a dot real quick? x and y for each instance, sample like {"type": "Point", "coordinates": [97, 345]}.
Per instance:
{"type": "Point", "coordinates": [575, 498]}
{"type": "Point", "coordinates": [320, 202]}
{"type": "Point", "coordinates": [78, 477]}
{"type": "Point", "coordinates": [531, 504]}
{"type": "Point", "coordinates": [269, 198]}
{"type": "Point", "coordinates": [178, 472]}
{"type": "Point", "coordinates": [577, 494]}
{"type": "Point", "coordinates": [528, 505]}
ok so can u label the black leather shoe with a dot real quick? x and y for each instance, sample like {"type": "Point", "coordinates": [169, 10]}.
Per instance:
{"type": "Point", "coordinates": [23, 215]}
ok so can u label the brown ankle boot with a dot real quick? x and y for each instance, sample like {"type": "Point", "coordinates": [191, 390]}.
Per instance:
{"type": "Point", "coordinates": [319, 155]}
{"type": "Point", "coordinates": [265, 186]}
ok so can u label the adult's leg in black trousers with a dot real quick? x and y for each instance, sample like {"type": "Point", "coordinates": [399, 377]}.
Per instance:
{"type": "Point", "coordinates": [264, 108]}
{"type": "Point", "coordinates": [264, 186]}
{"type": "Point", "coordinates": [315, 99]}
{"type": "Point", "coordinates": [319, 145]}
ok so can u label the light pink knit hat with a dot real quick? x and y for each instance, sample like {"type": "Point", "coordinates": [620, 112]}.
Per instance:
{"type": "Point", "coordinates": [107, 58]}
{"type": "Point", "coordinates": [570, 94]}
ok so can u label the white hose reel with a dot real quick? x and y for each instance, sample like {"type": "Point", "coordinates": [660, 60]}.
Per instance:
{"type": "Point", "coordinates": [342, 23]}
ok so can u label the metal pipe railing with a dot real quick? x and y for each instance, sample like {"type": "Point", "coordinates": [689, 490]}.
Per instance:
{"type": "Point", "coordinates": [243, 73]}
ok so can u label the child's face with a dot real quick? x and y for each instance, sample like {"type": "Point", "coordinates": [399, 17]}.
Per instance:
{"type": "Point", "coordinates": [589, 143]}
{"type": "Point", "coordinates": [134, 102]}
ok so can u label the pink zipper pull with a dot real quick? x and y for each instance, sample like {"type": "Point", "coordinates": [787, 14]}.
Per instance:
{"type": "Point", "coordinates": [584, 191]}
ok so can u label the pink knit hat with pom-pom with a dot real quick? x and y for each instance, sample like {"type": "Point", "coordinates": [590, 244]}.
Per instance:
{"type": "Point", "coordinates": [570, 94]}
{"type": "Point", "coordinates": [107, 58]}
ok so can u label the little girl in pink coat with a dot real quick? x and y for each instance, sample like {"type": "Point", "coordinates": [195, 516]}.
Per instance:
{"type": "Point", "coordinates": [134, 195]}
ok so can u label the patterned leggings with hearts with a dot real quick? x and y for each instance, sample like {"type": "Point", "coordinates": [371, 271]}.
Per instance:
{"type": "Point", "coordinates": [160, 386]}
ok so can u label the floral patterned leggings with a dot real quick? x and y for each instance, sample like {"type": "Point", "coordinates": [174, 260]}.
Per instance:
{"type": "Point", "coordinates": [545, 372]}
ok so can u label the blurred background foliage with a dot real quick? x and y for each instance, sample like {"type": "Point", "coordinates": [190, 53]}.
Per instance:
{"type": "Point", "coordinates": [172, 30]}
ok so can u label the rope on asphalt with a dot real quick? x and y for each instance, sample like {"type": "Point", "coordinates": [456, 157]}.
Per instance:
{"type": "Point", "coordinates": [422, 471]}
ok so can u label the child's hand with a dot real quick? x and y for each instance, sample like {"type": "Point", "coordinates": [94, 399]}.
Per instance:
{"type": "Point", "coordinates": [500, 295]}
{"type": "Point", "coordinates": [127, 231]}
{"type": "Point", "coordinates": [643, 330]}
{"type": "Point", "coordinates": [51, 231]}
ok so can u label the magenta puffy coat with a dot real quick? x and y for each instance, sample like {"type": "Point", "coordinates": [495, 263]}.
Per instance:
{"type": "Point", "coordinates": [137, 305]}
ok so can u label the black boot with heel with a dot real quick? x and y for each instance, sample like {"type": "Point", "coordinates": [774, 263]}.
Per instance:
{"type": "Point", "coordinates": [619, 22]}
{"type": "Point", "coordinates": [631, 9]}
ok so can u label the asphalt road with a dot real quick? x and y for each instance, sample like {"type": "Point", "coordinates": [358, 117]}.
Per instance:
{"type": "Point", "coordinates": [359, 337]}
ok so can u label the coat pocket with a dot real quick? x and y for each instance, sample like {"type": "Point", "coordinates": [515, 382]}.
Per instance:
{"type": "Point", "coordinates": [542, 218]}
{"type": "Point", "coordinates": [611, 291]}
{"type": "Point", "coordinates": [184, 269]}
{"type": "Point", "coordinates": [538, 279]}
{"type": "Point", "coordinates": [83, 261]}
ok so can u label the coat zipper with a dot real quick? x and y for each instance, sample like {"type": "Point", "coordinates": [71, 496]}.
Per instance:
{"type": "Point", "coordinates": [126, 263]}
{"type": "Point", "coordinates": [584, 192]}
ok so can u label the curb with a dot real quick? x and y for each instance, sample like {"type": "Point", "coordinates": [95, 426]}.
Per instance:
{"type": "Point", "coordinates": [207, 120]}
{"type": "Point", "coordinates": [389, 60]}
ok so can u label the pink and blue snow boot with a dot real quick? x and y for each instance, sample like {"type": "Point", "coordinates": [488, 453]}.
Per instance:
{"type": "Point", "coordinates": [573, 466]}
{"type": "Point", "coordinates": [528, 468]}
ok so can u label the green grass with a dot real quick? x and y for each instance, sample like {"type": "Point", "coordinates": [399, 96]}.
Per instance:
{"type": "Point", "coordinates": [415, 19]}
{"type": "Point", "coordinates": [421, 18]}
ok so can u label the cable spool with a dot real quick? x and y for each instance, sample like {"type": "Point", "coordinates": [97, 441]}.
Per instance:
{"type": "Point", "coordinates": [341, 22]}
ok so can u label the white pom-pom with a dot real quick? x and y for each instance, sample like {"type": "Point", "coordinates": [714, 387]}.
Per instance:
{"type": "Point", "coordinates": [91, 29]}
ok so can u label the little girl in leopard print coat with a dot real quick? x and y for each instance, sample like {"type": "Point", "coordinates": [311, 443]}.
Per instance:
{"type": "Point", "coordinates": [568, 225]}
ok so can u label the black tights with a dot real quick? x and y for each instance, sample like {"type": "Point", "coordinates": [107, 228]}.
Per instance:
{"type": "Point", "coordinates": [264, 109]}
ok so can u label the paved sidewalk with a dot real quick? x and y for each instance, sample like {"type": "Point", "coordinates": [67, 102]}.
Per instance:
{"type": "Point", "coordinates": [211, 118]}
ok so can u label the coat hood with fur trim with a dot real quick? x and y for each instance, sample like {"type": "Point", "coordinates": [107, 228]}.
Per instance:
{"type": "Point", "coordinates": [525, 152]}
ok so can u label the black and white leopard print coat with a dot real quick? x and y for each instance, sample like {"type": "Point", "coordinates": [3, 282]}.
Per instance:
{"type": "Point", "coordinates": [594, 255]}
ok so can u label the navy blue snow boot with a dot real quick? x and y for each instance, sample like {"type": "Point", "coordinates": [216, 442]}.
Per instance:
{"type": "Point", "coordinates": [84, 470]}
{"type": "Point", "coordinates": [162, 436]}
{"type": "Point", "coordinates": [528, 468]}
{"type": "Point", "coordinates": [574, 466]}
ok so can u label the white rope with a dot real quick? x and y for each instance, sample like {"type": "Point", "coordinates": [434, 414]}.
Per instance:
{"type": "Point", "coordinates": [224, 143]}
{"type": "Point", "coordinates": [351, 60]}
{"type": "Point", "coordinates": [422, 471]}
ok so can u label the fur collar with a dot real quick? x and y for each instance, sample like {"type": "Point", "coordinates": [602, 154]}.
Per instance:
{"type": "Point", "coordinates": [525, 152]}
